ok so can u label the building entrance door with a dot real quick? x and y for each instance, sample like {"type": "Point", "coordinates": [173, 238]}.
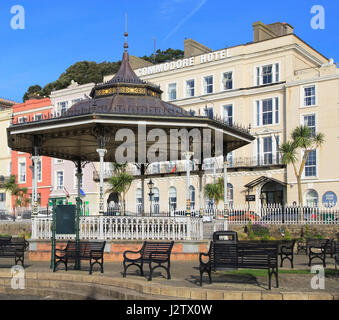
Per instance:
{"type": "Point", "coordinates": [272, 193]}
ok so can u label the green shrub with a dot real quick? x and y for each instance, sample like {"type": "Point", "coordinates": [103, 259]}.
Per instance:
{"type": "Point", "coordinates": [260, 231]}
{"type": "Point", "coordinates": [287, 235]}
{"type": "Point", "coordinates": [251, 235]}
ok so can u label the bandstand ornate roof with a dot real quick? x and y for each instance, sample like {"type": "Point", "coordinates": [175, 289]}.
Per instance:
{"type": "Point", "coordinates": [126, 101]}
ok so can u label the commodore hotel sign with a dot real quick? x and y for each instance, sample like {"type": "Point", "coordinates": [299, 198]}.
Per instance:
{"type": "Point", "coordinates": [184, 63]}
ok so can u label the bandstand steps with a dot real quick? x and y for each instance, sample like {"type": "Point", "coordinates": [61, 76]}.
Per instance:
{"type": "Point", "coordinates": [71, 290]}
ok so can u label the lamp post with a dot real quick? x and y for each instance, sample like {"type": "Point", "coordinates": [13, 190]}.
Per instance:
{"type": "Point", "coordinates": [150, 186]}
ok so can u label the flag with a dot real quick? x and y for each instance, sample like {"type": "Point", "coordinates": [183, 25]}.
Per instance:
{"type": "Point", "coordinates": [82, 193]}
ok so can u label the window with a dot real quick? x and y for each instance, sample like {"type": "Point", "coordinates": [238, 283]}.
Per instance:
{"type": "Point", "coordinates": [309, 121]}
{"type": "Point", "coordinates": [22, 171]}
{"type": "Point", "coordinates": [227, 81]}
{"type": "Point", "coordinates": [139, 200]}
{"type": "Point", "coordinates": [267, 112]}
{"type": "Point", "coordinates": [267, 150]}
{"type": "Point", "coordinates": [230, 195]}
{"type": "Point", "coordinates": [22, 119]}
{"type": "Point", "coordinates": [209, 112]}
{"type": "Point", "coordinates": [172, 91]}
{"type": "Point", "coordinates": [311, 164]}
{"type": "Point", "coordinates": [228, 114]}
{"type": "Point", "coordinates": [309, 96]}
{"type": "Point", "coordinates": [190, 88]}
{"type": "Point", "coordinates": [192, 197]}
{"type": "Point", "coordinates": [311, 198]}
{"type": "Point", "coordinates": [62, 106]}
{"type": "Point", "coordinates": [38, 117]}
{"type": "Point", "coordinates": [268, 74]}
{"type": "Point", "coordinates": [208, 84]}
{"type": "Point", "coordinates": [57, 161]}
{"type": "Point", "coordinates": [60, 179]}
{"type": "Point", "coordinates": [156, 199]}
{"type": "Point", "coordinates": [2, 197]}
{"type": "Point", "coordinates": [172, 198]}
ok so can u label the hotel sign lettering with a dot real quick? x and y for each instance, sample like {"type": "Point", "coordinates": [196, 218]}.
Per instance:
{"type": "Point", "coordinates": [184, 63]}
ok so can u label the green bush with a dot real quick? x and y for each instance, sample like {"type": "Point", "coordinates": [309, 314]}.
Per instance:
{"type": "Point", "coordinates": [260, 231]}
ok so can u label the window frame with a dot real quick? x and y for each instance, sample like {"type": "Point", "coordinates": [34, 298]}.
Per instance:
{"type": "Point", "coordinates": [63, 180]}
{"type": "Point", "coordinates": [176, 91]}
{"type": "Point", "coordinates": [258, 117]}
{"type": "Point", "coordinates": [222, 87]}
{"type": "Point", "coordinates": [302, 95]}
{"type": "Point", "coordinates": [304, 177]}
{"type": "Point", "coordinates": [205, 87]}
{"type": "Point", "coordinates": [22, 160]}
{"type": "Point", "coordinates": [194, 88]}
{"type": "Point", "coordinates": [274, 73]}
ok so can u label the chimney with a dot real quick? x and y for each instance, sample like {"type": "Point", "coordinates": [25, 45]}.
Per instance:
{"type": "Point", "coordinates": [194, 48]}
{"type": "Point", "coordinates": [262, 31]}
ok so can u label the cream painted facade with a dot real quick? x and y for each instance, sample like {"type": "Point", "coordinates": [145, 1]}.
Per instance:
{"type": "Point", "coordinates": [277, 85]}
{"type": "Point", "coordinates": [5, 157]}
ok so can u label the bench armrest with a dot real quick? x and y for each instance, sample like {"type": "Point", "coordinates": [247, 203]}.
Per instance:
{"type": "Point", "coordinates": [203, 254]}
{"type": "Point", "coordinates": [129, 251]}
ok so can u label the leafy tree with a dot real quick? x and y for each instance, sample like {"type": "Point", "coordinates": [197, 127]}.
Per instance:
{"type": "Point", "coordinates": [32, 91]}
{"type": "Point", "coordinates": [165, 56]}
{"type": "Point", "coordinates": [20, 194]}
{"type": "Point", "coordinates": [215, 191]}
{"type": "Point", "coordinates": [89, 71]}
{"type": "Point", "coordinates": [302, 140]}
{"type": "Point", "coordinates": [120, 183]}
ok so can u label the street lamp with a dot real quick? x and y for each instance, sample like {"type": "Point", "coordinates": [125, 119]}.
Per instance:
{"type": "Point", "coordinates": [150, 187]}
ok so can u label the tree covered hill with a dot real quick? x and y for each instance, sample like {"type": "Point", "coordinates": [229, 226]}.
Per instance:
{"type": "Point", "coordinates": [89, 71]}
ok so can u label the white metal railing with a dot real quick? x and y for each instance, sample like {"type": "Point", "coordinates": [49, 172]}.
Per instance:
{"type": "Point", "coordinates": [126, 228]}
{"type": "Point", "coordinates": [270, 214]}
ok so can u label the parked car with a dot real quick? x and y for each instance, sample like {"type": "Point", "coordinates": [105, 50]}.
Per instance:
{"type": "Point", "coordinates": [4, 215]}
{"type": "Point", "coordinates": [243, 215]}
{"type": "Point", "coordinates": [287, 216]}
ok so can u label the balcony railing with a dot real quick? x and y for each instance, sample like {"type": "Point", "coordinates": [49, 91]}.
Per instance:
{"type": "Point", "coordinates": [165, 167]}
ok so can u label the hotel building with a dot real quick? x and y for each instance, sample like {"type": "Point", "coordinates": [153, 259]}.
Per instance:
{"type": "Point", "coordinates": [272, 84]}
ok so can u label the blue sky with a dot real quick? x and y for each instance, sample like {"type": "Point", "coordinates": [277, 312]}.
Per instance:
{"type": "Point", "coordinates": [60, 33]}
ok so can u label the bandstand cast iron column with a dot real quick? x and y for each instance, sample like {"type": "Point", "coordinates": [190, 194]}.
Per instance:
{"type": "Point", "coordinates": [201, 205]}
{"type": "Point", "coordinates": [226, 204]}
{"type": "Point", "coordinates": [102, 153]}
{"type": "Point", "coordinates": [53, 234]}
{"type": "Point", "coordinates": [78, 208]}
{"type": "Point", "coordinates": [35, 160]}
{"type": "Point", "coordinates": [188, 156]}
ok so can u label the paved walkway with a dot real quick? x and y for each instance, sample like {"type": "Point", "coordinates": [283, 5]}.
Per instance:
{"type": "Point", "coordinates": [186, 274]}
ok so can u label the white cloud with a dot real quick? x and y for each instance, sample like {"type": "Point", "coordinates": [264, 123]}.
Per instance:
{"type": "Point", "coordinates": [189, 16]}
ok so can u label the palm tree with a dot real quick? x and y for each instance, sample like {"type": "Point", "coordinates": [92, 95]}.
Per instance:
{"type": "Point", "coordinates": [120, 182]}
{"type": "Point", "coordinates": [215, 191]}
{"type": "Point", "coordinates": [19, 194]}
{"type": "Point", "coordinates": [302, 138]}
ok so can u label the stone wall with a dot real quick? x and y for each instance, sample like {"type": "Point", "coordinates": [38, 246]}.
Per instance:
{"type": "Point", "coordinates": [327, 231]}
{"type": "Point", "coordinates": [15, 228]}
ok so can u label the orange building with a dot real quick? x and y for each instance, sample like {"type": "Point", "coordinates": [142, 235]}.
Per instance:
{"type": "Point", "coordinates": [32, 110]}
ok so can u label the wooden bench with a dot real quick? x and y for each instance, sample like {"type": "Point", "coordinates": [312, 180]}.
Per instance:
{"type": "Point", "coordinates": [13, 248]}
{"type": "Point", "coordinates": [151, 252]}
{"type": "Point", "coordinates": [93, 251]}
{"type": "Point", "coordinates": [241, 255]}
{"type": "Point", "coordinates": [317, 250]}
